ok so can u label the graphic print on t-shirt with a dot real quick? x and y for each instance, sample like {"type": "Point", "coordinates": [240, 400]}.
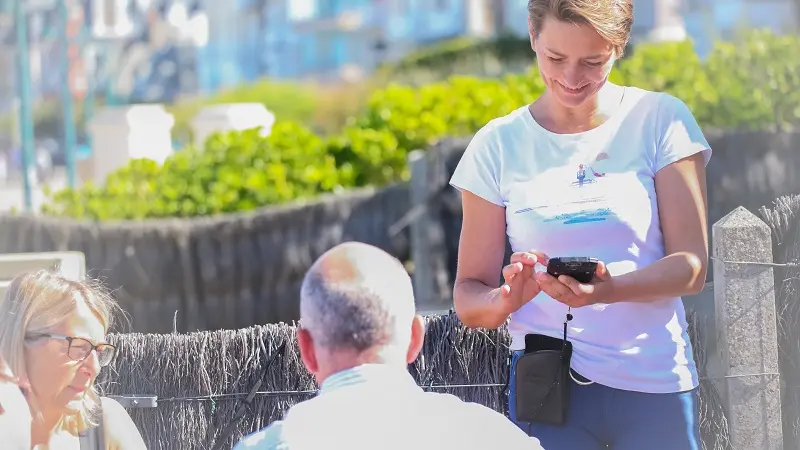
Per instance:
{"type": "Point", "coordinates": [582, 199]}
{"type": "Point", "coordinates": [593, 174]}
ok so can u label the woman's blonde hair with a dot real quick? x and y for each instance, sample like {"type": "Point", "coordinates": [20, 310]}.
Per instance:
{"type": "Point", "coordinates": [36, 302]}
{"type": "Point", "coordinates": [612, 19]}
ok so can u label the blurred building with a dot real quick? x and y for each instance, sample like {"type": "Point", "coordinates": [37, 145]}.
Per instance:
{"type": "Point", "coordinates": [702, 21]}
{"type": "Point", "coordinates": [40, 47]}
{"type": "Point", "coordinates": [160, 50]}
{"type": "Point", "coordinates": [710, 20]}
{"type": "Point", "coordinates": [335, 39]}
{"type": "Point", "coordinates": [147, 50]}
{"type": "Point", "coordinates": [131, 50]}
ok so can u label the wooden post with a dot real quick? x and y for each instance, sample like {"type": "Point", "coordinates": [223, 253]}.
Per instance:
{"type": "Point", "coordinates": [431, 289]}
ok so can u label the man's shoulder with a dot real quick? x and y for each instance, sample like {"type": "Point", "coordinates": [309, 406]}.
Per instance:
{"type": "Point", "coordinates": [483, 421]}
{"type": "Point", "coordinates": [445, 400]}
{"type": "Point", "coordinates": [482, 414]}
{"type": "Point", "coordinates": [270, 438]}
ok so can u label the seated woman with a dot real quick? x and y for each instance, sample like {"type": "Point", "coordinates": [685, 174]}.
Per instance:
{"type": "Point", "coordinates": [52, 334]}
{"type": "Point", "coordinates": [15, 417]}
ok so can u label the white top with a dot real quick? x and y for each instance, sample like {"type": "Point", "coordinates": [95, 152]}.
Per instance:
{"type": "Point", "coordinates": [375, 406]}
{"type": "Point", "coordinates": [15, 418]}
{"type": "Point", "coordinates": [593, 194]}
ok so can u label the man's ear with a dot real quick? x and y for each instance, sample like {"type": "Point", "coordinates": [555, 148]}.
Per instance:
{"type": "Point", "coordinates": [417, 338]}
{"type": "Point", "coordinates": [307, 353]}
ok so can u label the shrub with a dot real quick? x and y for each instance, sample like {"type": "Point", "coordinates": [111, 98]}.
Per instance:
{"type": "Point", "coordinates": [457, 107]}
{"type": "Point", "coordinates": [749, 85]}
{"type": "Point", "coordinates": [367, 157]}
{"type": "Point", "coordinates": [461, 55]}
{"type": "Point", "coordinates": [288, 101]}
{"type": "Point", "coordinates": [671, 67]}
{"type": "Point", "coordinates": [760, 79]}
{"type": "Point", "coordinates": [236, 171]}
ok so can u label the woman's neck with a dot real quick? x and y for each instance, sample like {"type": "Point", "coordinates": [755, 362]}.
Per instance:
{"type": "Point", "coordinates": [44, 427]}
{"type": "Point", "coordinates": [594, 112]}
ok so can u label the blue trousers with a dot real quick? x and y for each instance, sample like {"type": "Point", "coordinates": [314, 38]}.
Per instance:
{"type": "Point", "coordinates": [601, 417]}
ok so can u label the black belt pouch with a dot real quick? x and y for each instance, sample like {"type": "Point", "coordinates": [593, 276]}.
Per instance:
{"type": "Point", "coordinates": [542, 380]}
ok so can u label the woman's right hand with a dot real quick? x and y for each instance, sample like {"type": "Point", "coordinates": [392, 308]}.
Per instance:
{"type": "Point", "coordinates": [520, 285]}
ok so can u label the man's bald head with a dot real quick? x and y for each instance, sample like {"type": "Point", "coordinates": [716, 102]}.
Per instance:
{"type": "Point", "coordinates": [357, 297]}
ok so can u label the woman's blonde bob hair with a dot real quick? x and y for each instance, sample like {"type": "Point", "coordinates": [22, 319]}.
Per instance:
{"type": "Point", "coordinates": [612, 19]}
{"type": "Point", "coordinates": [36, 302]}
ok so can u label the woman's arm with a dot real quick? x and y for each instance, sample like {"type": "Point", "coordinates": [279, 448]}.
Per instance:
{"type": "Point", "coordinates": [481, 248]}
{"type": "Point", "coordinates": [480, 255]}
{"type": "Point", "coordinates": [479, 301]}
{"type": "Point", "coordinates": [120, 431]}
{"type": "Point", "coordinates": [682, 199]}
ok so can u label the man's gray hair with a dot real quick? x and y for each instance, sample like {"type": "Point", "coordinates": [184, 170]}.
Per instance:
{"type": "Point", "coordinates": [357, 297]}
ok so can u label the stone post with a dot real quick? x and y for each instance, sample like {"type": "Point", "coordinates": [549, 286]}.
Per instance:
{"type": "Point", "coordinates": [744, 295]}
{"type": "Point", "coordinates": [120, 134]}
{"type": "Point", "coordinates": [229, 117]}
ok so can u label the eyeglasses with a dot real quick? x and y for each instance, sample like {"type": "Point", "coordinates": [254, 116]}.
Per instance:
{"type": "Point", "coordinates": [80, 349]}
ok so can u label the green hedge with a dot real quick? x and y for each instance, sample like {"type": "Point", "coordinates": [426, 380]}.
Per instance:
{"type": "Point", "coordinates": [461, 55]}
{"type": "Point", "coordinates": [290, 101]}
{"type": "Point", "coordinates": [751, 84]}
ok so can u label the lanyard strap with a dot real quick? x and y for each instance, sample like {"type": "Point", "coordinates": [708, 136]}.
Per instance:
{"type": "Point", "coordinates": [566, 320]}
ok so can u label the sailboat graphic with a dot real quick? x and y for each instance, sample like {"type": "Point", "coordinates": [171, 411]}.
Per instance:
{"type": "Point", "coordinates": [582, 178]}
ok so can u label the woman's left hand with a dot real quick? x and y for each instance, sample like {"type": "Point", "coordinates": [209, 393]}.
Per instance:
{"type": "Point", "coordinates": [573, 293]}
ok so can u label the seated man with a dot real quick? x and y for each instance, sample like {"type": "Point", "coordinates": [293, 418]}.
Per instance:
{"type": "Point", "coordinates": [358, 332]}
{"type": "Point", "coordinates": [15, 416]}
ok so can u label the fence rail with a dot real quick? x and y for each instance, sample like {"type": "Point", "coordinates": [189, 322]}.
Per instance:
{"type": "Point", "coordinates": [201, 380]}
{"type": "Point", "coordinates": [244, 269]}
{"type": "Point", "coordinates": [221, 272]}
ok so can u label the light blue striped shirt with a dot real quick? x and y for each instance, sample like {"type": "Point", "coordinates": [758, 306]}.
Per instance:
{"type": "Point", "coordinates": [380, 407]}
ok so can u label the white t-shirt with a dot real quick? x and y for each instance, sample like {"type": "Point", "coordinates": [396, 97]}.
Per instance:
{"type": "Point", "coordinates": [374, 406]}
{"type": "Point", "coordinates": [593, 194]}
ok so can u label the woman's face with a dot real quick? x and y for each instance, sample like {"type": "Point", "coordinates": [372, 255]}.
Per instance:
{"type": "Point", "coordinates": [574, 60]}
{"type": "Point", "coordinates": [58, 381]}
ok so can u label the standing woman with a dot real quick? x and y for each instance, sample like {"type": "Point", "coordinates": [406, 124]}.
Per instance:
{"type": "Point", "coordinates": [589, 169]}
{"type": "Point", "coordinates": [53, 336]}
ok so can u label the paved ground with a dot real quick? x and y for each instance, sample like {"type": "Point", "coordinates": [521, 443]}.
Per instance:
{"type": "Point", "coordinates": [12, 192]}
